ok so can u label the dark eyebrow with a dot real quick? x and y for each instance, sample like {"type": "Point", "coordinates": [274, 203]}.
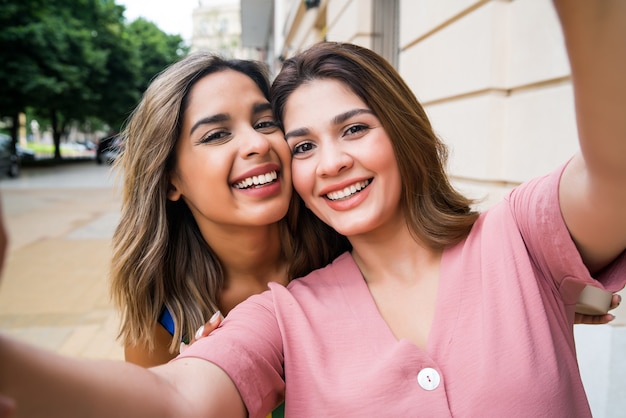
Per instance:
{"type": "Point", "coordinates": [297, 132]}
{"type": "Point", "coordinates": [220, 117]}
{"type": "Point", "coordinates": [337, 120]}
{"type": "Point", "coordinates": [350, 113]}
{"type": "Point", "coordinates": [261, 107]}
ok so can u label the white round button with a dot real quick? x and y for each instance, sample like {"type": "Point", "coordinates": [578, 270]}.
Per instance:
{"type": "Point", "coordinates": [428, 378]}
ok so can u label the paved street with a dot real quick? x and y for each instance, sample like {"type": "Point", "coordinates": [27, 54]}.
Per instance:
{"type": "Point", "coordinates": [54, 291]}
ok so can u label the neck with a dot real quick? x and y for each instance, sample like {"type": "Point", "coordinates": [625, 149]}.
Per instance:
{"type": "Point", "coordinates": [251, 257]}
{"type": "Point", "coordinates": [250, 253]}
{"type": "Point", "coordinates": [394, 256]}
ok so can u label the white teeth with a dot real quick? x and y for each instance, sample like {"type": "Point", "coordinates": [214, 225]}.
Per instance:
{"type": "Point", "coordinates": [348, 191]}
{"type": "Point", "coordinates": [257, 180]}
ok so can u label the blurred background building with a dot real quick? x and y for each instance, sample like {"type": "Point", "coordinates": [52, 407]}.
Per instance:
{"type": "Point", "coordinates": [217, 27]}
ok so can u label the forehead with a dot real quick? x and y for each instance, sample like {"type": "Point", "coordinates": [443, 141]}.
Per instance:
{"type": "Point", "coordinates": [222, 89]}
{"type": "Point", "coordinates": [319, 99]}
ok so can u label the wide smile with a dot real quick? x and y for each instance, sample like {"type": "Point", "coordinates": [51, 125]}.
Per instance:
{"type": "Point", "coordinates": [348, 191]}
{"type": "Point", "coordinates": [257, 181]}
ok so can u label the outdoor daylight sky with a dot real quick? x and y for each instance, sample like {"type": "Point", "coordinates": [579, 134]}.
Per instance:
{"type": "Point", "coordinates": [171, 16]}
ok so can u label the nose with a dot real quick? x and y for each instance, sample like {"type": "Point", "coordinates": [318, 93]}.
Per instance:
{"type": "Point", "coordinates": [254, 143]}
{"type": "Point", "coordinates": [333, 159]}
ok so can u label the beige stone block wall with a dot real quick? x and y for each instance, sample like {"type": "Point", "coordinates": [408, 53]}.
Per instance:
{"type": "Point", "coordinates": [350, 21]}
{"type": "Point", "coordinates": [474, 137]}
{"type": "Point", "coordinates": [494, 78]}
{"type": "Point", "coordinates": [536, 51]}
{"type": "Point", "coordinates": [420, 17]}
{"type": "Point", "coordinates": [296, 27]}
{"type": "Point", "coordinates": [464, 57]}
{"type": "Point", "coordinates": [307, 34]}
{"type": "Point", "coordinates": [540, 131]}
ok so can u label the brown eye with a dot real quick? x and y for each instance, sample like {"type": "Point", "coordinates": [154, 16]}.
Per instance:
{"type": "Point", "coordinates": [267, 125]}
{"type": "Point", "coordinates": [214, 137]}
{"type": "Point", "coordinates": [302, 148]}
{"type": "Point", "coordinates": [355, 129]}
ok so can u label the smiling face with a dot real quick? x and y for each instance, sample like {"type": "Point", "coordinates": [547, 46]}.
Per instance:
{"type": "Point", "coordinates": [343, 166]}
{"type": "Point", "coordinates": [232, 164]}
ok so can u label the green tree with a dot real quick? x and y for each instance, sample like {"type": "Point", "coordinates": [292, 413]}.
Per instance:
{"type": "Point", "coordinates": [51, 45]}
{"type": "Point", "coordinates": [156, 48]}
{"type": "Point", "coordinates": [121, 89]}
{"type": "Point", "coordinates": [20, 76]}
{"type": "Point", "coordinates": [77, 61]}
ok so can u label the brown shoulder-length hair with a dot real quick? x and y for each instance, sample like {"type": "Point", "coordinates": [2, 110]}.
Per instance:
{"type": "Point", "coordinates": [160, 258]}
{"type": "Point", "coordinates": [436, 213]}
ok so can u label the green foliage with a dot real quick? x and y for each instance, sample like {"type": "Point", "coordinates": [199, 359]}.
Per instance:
{"type": "Point", "coordinates": [77, 61]}
{"type": "Point", "coordinates": [157, 49]}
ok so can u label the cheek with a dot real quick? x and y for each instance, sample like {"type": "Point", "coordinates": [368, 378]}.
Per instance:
{"type": "Point", "coordinates": [284, 154]}
{"type": "Point", "coordinates": [303, 180]}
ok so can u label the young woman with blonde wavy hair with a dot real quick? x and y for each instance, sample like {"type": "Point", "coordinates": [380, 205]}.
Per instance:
{"type": "Point", "coordinates": [203, 214]}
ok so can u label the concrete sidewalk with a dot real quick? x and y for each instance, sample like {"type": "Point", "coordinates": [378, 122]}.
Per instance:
{"type": "Point", "coordinates": [54, 291]}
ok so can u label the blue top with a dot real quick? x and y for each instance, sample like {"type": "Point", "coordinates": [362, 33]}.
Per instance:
{"type": "Point", "coordinates": [168, 323]}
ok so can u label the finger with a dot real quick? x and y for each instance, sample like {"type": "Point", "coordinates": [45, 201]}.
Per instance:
{"type": "Point", "coordinates": [207, 328]}
{"type": "Point", "coordinates": [199, 334]}
{"type": "Point", "coordinates": [213, 323]}
{"type": "Point", "coordinates": [615, 301]}
{"type": "Point", "coordinates": [593, 319]}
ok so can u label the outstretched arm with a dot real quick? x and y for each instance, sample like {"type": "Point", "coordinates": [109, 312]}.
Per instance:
{"type": "Point", "coordinates": [42, 383]}
{"type": "Point", "coordinates": [593, 186]}
{"type": "Point", "coordinates": [35, 382]}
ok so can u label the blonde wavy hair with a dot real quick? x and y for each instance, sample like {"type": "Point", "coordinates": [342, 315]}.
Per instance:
{"type": "Point", "coordinates": [160, 258]}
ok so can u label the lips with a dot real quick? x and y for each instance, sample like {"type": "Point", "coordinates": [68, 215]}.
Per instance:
{"type": "Point", "coordinates": [257, 181]}
{"type": "Point", "coordinates": [348, 191]}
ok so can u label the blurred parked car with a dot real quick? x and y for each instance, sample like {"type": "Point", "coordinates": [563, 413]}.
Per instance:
{"type": "Point", "coordinates": [9, 160]}
{"type": "Point", "coordinates": [90, 146]}
{"type": "Point", "coordinates": [109, 149]}
{"type": "Point", "coordinates": [25, 154]}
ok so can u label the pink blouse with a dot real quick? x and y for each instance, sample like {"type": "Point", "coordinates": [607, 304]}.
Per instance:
{"type": "Point", "coordinates": [501, 343]}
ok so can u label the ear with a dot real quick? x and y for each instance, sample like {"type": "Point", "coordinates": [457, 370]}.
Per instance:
{"type": "Point", "coordinates": [173, 193]}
